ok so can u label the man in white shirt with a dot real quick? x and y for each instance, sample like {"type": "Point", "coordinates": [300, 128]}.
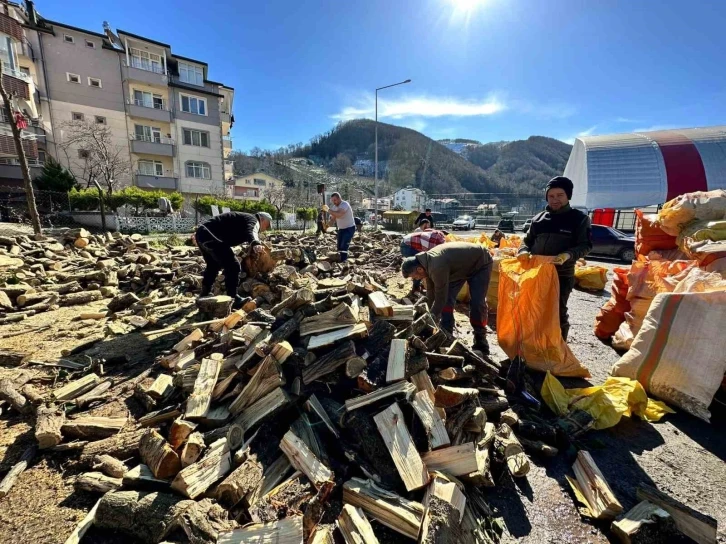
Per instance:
{"type": "Point", "coordinates": [343, 215]}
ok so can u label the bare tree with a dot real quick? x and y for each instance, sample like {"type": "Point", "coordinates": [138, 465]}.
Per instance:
{"type": "Point", "coordinates": [278, 197]}
{"type": "Point", "coordinates": [97, 156]}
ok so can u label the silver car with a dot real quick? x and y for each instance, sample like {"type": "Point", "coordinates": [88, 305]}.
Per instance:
{"type": "Point", "coordinates": [464, 222]}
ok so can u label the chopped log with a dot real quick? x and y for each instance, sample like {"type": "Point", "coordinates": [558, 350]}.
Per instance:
{"type": "Point", "coordinates": [355, 527]}
{"type": "Point", "coordinates": [93, 428]}
{"type": "Point", "coordinates": [180, 431]}
{"type": "Point", "coordinates": [64, 288]}
{"type": "Point", "coordinates": [10, 394]}
{"type": "Point", "coordinates": [422, 381]}
{"type": "Point", "coordinates": [92, 315]}
{"type": "Point", "coordinates": [432, 422]}
{"type": "Point", "coordinates": [593, 486]}
{"type": "Point", "coordinates": [304, 460]}
{"type": "Point", "coordinates": [393, 511]}
{"type": "Point", "coordinates": [400, 445]}
{"type": "Point", "coordinates": [494, 405]}
{"type": "Point", "coordinates": [397, 358]}
{"type": "Point", "coordinates": [195, 479]}
{"type": "Point", "coordinates": [140, 477]}
{"type": "Point", "coordinates": [455, 460]}
{"type": "Point", "coordinates": [215, 307]}
{"type": "Point", "coordinates": [444, 504]}
{"type": "Point", "coordinates": [109, 466]}
{"type": "Point", "coordinates": [355, 366]}
{"type": "Point", "coordinates": [265, 407]}
{"type": "Point", "coordinates": [34, 396]}
{"type": "Point", "coordinates": [692, 523]}
{"type": "Point", "coordinates": [322, 340]}
{"type": "Point", "coordinates": [81, 242]}
{"type": "Point", "coordinates": [538, 447]}
{"type": "Point", "coordinates": [272, 476]}
{"type": "Point", "coordinates": [177, 361]}
{"type": "Point", "coordinates": [646, 523]}
{"type": "Point", "coordinates": [282, 351]}
{"type": "Point", "coordinates": [229, 322]}
{"type": "Point", "coordinates": [380, 304]}
{"type": "Point", "coordinates": [161, 388]}
{"type": "Point", "coordinates": [477, 422]}
{"type": "Point", "coordinates": [97, 482]}
{"type": "Point", "coordinates": [32, 298]}
{"type": "Point", "coordinates": [242, 481]}
{"type": "Point", "coordinates": [453, 374]}
{"type": "Point", "coordinates": [404, 389]}
{"type": "Point", "coordinates": [200, 400]}
{"type": "Point", "coordinates": [186, 343]}
{"type": "Point", "coordinates": [509, 417]}
{"type": "Point", "coordinates": [18, 468]}
{"type": "Point", "coordinates": [82, 528]}
{"type": "Point", "coordinates": [192, 449]}
{"type": "Point", "coordinates": [284, 531]}
{"type": "Point", "coordinates": [340, 316]}
{"type": "Point", "coordinates": [267, 378]}
{"type": "Point", "coordinates": [48, 423]}
{"type": "Point", "coordinates": [76, 388]}
{"type": "Point", "coordinates": [437, 360]}
{"type": "Point", "coordinates": [510, 450]}
{"type": "Point", "coordinates": [323, 534]}
{"type": "Point", "coordinates": [329, 362]}
{"type": "Point", "coordinates": [158, 455]}
{"type": "Point", "coordinates": [261, 339]}
{"type": "Point", "coordinates": [157, 417]}
{"type": "Point", "coordinates": [449, 397]}
{"type": "Point", "coordinates": [299, 298]}
{"type": "Point", "coordinates": [313, 404]}
{"type": "Point", "coordinates": [122, 302]}
{"type": "Point", "coordinates": [424, 325]}
{"type": "Point", "coordinates": [84, 297]}
{"type": "Point", "coordinates": [121, 446]}
{"type": "Point", "coordinates": [484, 366]}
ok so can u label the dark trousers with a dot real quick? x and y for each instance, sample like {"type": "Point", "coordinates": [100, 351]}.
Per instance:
{"type": "Point", "coordinates": [478, 310]}
{"type": "Point", "coordinates": [408, 251]}
{"type": "Point", "coordinates": [344, 238]}
{"type": "Point", "coordinates": [320, 230]}
{"type": "Point", "coordinates": [567, 283]}
{"type": "Point", "coordinates": [218, 256]}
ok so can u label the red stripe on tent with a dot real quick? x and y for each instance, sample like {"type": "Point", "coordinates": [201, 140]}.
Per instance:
{"type": "Point", "coordinates": [684, 168]}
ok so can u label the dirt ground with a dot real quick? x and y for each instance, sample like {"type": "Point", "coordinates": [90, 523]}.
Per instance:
{"type": "Point", "coordinates": [680, 455]}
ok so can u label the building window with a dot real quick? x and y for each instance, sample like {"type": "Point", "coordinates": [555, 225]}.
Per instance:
{"type": "Point", "coordinates": [83, 154]}
{"type": "Point", "coordinates": [73, 78]}
{"type": "Point", "coordinates": [188, 73]}
{"type": "Point", "coordinates": [144, 60]}
{"type": "Point", "coordinates": [191, 104]}
{"type": "Point", "coordinates": [196, 137]}
{"type": "Point", "coordinates": [199, 170]}
{"type": "Point", "coordinates": [94, 82]}
{"type": "Point", "coordinates": [68, 39]}
{"type": "Point", "coordinates": [41, 156]}
{"type": "Point", "coordinates": [148, 100]}
{"type": "Point", "coordinates": [148, 134]}
{"type": "Point", "coordinates": [90, 44]}
{"type": "Point", "coordinates": [77, 116]}
{"type": "Point", "coordinates": [259, 182]}
{"type": "Point", "coordinates": [24, 70]}
{"type": "Point", "coordinates": [100, 120]}
{"type": "Point", "coordinates": [151, 168]}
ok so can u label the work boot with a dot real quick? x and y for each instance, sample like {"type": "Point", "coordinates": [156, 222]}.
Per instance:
{"type": "Point", "coordinates": [480, 343]}
{"type": "Point", "coordinates": [237, 303]}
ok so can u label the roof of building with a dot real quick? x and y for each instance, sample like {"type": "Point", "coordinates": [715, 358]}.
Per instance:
{"type": "Point", "coordinates": [401, 213]}
{"type": "Point", "coordinates": [162, 44]}
{"type": "Point", "coordinates": [64, 25]}
{"type": "Point", "coordinates": [190, 59]}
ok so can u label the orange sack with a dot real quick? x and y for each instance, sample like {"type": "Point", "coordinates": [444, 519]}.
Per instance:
{"type": "Point", "coordinates": [612, 314]}
{"type": "Point", "coordinates": [649, 236]}
{"type": "Point", "coordinates": [528, 317]}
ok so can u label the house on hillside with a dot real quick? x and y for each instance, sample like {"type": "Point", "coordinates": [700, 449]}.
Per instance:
{"type": "Point", "coordinates": [384, 204]}
{"type": "Point", "coordinates": [402, 221]}
{"type": "Point", "coordinates": [253, 186]}
{"type": "Point", "coordinates": [410, 199]}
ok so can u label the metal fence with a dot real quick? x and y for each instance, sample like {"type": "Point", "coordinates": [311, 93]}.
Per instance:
{"type": "Point", "coordinates": [53, 207]}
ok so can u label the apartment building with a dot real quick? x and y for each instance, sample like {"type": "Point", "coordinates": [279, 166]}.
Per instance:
{"type": "Point", "coordinates": [167, 120]}
{"type": "Point", "coordinates": [410, 199]}
{"type": "Point", "coordinates": [253, 186]}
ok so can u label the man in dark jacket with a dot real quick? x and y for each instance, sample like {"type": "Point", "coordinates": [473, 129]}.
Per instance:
{"type": "Point", "coordinates": [216, 238]}
{"type": "Point", "coordinates": [445, 268]}
{"type": "Point", "coordinates": [425, 215]}
{"type": "Point", "coordinates": [563, 232]}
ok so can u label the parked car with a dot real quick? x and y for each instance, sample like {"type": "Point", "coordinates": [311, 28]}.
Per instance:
{"type": "Point", "coordinates": [464, 222]}
{"type": "Point", "coordinates": [527, 224]}
{"type": "Point", "coordinates": [506, 225]}
{"type": "Point", "coordinates": [611, 242]}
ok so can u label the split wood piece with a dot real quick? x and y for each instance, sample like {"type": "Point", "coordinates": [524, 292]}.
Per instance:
{"type": "Point", "coordinates": [76, 388]}
{"type": "Point", "coordinates": [200, 400]}
{"type": "Point", "coordinates": [304, 460]}
{"type": "Point", "coordinates": [141, 477]}
{"type": "Point", "coordinates": [110, 466]}
{"type": "Point", "coordinates": [122, 446]}
{"type": "Point", "coordinates": [593, 486]}
{"type": "Point", "coordinates": [329, 362]}
{"type": "Point", "coordinates": [186, 343]}
{"type": "Point", "coordinates": [432, 422]}
{"type": "Point", "coordinates": [262, 338]}
{"type": "Point", "coordinates": [397, 357]}
{"type": "Point", "coordinates": [35, 397]}
{"type": "Point", "coordinates": [380, 304]}
{"type": "Point", "coordinates": [265, 407]}
{"type": "Point", "coordinates": [282, 351]}
{"type": "Point", "coordinates": [438, 360]}
{"type": "Point", "coordinates": [93, 428]}
{"type": "Point", "coordinates": [285, 531]}
{"type": "Point", "coordinates": [242, 481]}
{"type": "Point", "coordinates": [509, 417]}
{"type": "Point", "coordinates": [84, 297]}
{"type": "Point", "coordinates": [482, 476]}
{"type": "Point", "coordinates": [82, 528]}
{"type": "Point", "coordinates": [299, 298]}
{"type": "Point", "coordinates": [477, 422]}
{"type": "Point", "coordinates": [493, 405]}
{"type": "Point", "coordinates": [455, 460]}
{"type": "Point", "coordinates": [229, 322]}
{"type": "Point", "coordinates": [422, 381]}
{"type": "Point", "coordinates": [192, 449]}
{"type": "Point", "coordinates": [267, 378]}
{"type": "Point", "coordinates": [180, 431]}
{"type": "Point", "coordinates": [448, 396]}
{"type": "Point", "coordinates": [158, 455]}
{"type": "Point", "coordinates": [444, 504]}
{"type": "Point", "coordinates": [92, 315]}
{"type": "Point", "coordinates": [453, 374]}
{"type": "Point", "coordinates": [161, 388]}
{"type": "Point", "coordinates": [323, 534]}
{"type": "Point", "coordinates": [340, 316]}
{"type": "Point", "coordinates": [195, 479]}
{"type": "Point", "coordinates": [405, 389]}
{"type": "Point", "coordinates": [392, 510]}
{"type": "Point", "coordinates": [510, 450]}
{"type": "Point", "coordinates": [313, 404]}
{"type": "Point", "coordinates": [400, 445]}
{"type": "Point", "coordinates": [271, 478]}
{"type": "Point", "coordinates": [424, 325]}
{"type": "Point", "coordinates": [379, 338]}
{"type": "Point", "coordinates": [354, 367]}
{"type": "Point", "coordinates": [177, 361]}
{"type": "Point", "coordinates": [644, 523]}
{"type": "Point", "coordinates": [48, 423]}
{"type": "Point", "coordinates": [10, 394]}
{"type": "Point", "coordinates": [97, 482]}
{"type": "Point", "coordinates": [215, 307]}
{"type": "Point", "coordinates": [122, 302]}
{"type": "Point", "coordinates": [18, 468]}
{"type": "Point", "coordinates": [355, 527]}
{"type": "Point", "coordinates": [482, 365]}
{"type": "Point", "coordinates": [538, 447]}
{"type": "Point", "coordinates": [63, 288]}
{"type": "Point", "coordinates": [352, 331]}
{"type": "Point", "coordinates": [692, 523]}
{"type": "Point", "coordinates": [400, 313]}
{"type": "Point", "coordinates": [235, 436]}
{"type": "Point", "coordinates": [157, 417]}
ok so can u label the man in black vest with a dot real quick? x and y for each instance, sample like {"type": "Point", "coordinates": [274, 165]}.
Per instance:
{"type": "Point", "coordinates": [563, 232]}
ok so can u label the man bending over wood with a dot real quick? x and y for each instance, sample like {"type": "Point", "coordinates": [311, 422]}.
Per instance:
{"type": "Point", "coordinates": [216, 238]}
{"type": "Point", "coordinates": [445, 268]}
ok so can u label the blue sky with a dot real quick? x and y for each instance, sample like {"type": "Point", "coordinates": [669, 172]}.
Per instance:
{"type": "Point", "coordinates": [484, 69]}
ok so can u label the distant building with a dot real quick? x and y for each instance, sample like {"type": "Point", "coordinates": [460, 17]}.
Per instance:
{"type": "Point", "coordinates": [410, 199]}
{"type": "Point", "coordinates": [367, 167]}
{"type": "Point", "coordinates": [384, 204]}
{"type": "Point", "coordinates": [442, 204]}
{"type": "Point", "coordinates": [253, 186]}
{"type": "Point", "coordinates": [487, 208]}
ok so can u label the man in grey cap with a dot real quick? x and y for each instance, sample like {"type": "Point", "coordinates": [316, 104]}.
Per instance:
{"type": "Point", "coordinates": [216, 238]}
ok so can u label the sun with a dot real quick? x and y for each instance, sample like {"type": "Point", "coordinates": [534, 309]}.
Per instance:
{"type": "Point", "coordinates": [466, 6]}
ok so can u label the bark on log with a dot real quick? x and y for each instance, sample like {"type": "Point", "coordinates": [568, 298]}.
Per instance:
{"type": "Point", "coordinates": [10, 394]}
{"type": "Point", "coordinates": [48, 423]}
{"type": "Point", "coordinates": [109, 466]}
{"type": "Point", "coordinates": [192, 449]}
{"type": "Point", "coordinates": [242, 481]}
{"type": "Point", "coordinates": [329, 362]}
{"type": "Point", "coordinates": [84, 297]}
{"type": "Point", "coordinates": [97, 482]}
{"type": "Point", "coordinates": [180, 431]}
{"type": "Point", "coordinates": [158, 455]}
{"type": "Point", "coordinates": [12, 476]}
{"type": "Point", "coordinates": [215, 307]}
{"type": "Point", "coordinates": [121, 446]}
{"type": "Point", "coordinates": [93, 428]}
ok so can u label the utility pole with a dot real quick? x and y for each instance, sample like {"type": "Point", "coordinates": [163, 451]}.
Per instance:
{"type": "Point", "coordinates": [29, 193]}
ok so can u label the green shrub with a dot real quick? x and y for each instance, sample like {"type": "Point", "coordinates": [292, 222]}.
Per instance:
{"type": "Point", "coordinates": [204, 205]}
{"type": "Point", "coordinates": [138, 199]}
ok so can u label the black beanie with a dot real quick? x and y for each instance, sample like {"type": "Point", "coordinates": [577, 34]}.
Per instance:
{"type": "Point", "coordinates": [560, 182]}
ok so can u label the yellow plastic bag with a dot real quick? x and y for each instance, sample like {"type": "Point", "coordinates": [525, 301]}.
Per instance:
{"type": "Point", "coordinates": [606, 403]}
{"type": "Point", "coordinates": [464, 295]}
{"type": "Point", "coordinates": [590, 277]}
{"type": "Point", "coordinates": [511, 241]}
{"type": "Point", "coordinates": [528, 317]}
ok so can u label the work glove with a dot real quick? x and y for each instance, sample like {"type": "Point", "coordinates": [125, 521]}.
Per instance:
{"type": "Point", "coordinates": [562, 258]}
{"type": "Point", "coordinates": [524, 257]}
{"type": "Point", "coordinates": [259, 248]}
{"type": "Point", "coordinates": [325, 208]}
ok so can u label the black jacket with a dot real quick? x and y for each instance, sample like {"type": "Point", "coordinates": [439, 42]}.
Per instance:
{"type": "Point", "coordinates": [423, 215]}
{"type": "Point", "coordinates": [565, 231]}
{"type": "Point", "coordinates": [234, 228]}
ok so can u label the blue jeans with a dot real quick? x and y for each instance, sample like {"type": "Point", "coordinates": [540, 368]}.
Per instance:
{"type": "Point", "coordinates": [344, 238]}
{"type": "Point", "coordinates": [408, 251]}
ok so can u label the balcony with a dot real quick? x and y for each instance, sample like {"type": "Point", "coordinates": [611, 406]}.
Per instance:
{"type": "Point", "coordinates": [7, 146]}
{"type": "Point", "coordinates": [10, 168]}
{"type": "Point", "coordinates": [228, 169]}
{"type": "Point", "coordinates": [17, 83]}
{"type": "Point", "coordinates": [227, 142]}
{"type": "Point", "coordinates": [148, 110]}
{"type": "Point", "coordinates": [156, 182]}
{"type": "Point", "coordinates": [209, 87]}
{"type": "Point", "coordinates": [225, 116]}
{"type": "Point", "coordinates": [11, 27]}
{"type": "Point", "coordinates": [152, 145]}
{"type": "Point", "coordinates": [145, 72]}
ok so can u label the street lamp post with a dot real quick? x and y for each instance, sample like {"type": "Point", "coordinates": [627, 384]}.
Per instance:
{"type": "Point", "coordinates": [375, 171]}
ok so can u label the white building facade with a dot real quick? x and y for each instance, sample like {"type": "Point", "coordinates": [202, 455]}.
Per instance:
{"type": "Point", "coordinates": [410, 199]}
